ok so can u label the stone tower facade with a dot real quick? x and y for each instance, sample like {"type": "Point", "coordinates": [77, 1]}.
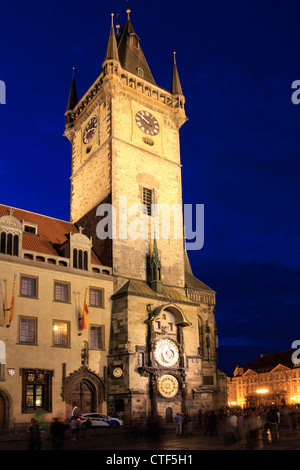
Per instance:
{"type": "Point", "coordinates": [126, 163]}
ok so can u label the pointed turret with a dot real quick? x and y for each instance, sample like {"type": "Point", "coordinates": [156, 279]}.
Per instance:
{"type": "Point", "coordinates": [73, 99]}
{"type": "Point", "coordinates": [175, 84]}
{"type": "Point", "coordinates": [112, 48]}
{"type": "Point", "coordinates": [154, 268]}
{"type": "Point", "coordinates": [131, 55]}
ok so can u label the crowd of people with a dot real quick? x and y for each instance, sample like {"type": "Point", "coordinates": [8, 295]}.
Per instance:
{"type": "Point", "coordinates": [251, 423]}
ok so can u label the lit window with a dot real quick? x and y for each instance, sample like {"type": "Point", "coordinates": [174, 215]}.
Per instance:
{"type": "Point", "coordinates": [36, 390]}
{"type": "Point", "coordinates": [61, 333]}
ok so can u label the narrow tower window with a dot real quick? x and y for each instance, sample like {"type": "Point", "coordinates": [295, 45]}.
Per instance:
{"type": "Point", "coordinates": [147, 199]}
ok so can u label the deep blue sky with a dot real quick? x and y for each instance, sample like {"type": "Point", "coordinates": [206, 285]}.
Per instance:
{"type": "Point", "coordinates": [240, 148]}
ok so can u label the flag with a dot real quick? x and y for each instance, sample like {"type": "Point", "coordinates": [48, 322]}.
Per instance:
{"type": "Point", "coordinates": [85, 320]}
{"type": "Point", "coordinates": [3, 305]}
{"type": "Point", "coordinates": [80, 316]}
{"type": "Point", "coordinates": [12, 306]}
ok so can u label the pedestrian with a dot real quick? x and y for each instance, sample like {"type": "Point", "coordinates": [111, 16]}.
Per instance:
{"type": "Point", "coordinates": [183, 422]}
{"type": "Point", "coordinates": [88, 428]}
{"type": "Point", "coordinates": [34, 435]}
{"type": "Point", "coordinates": [272, 421]}
{"type": "Point", "coordinates": [178, 421]}
{"type": "Point", "coordinates": [213, 424]}
{"type": "Point", "coordinates": [74, 424]}
{"type": "Point", "coordinates": [200, 419]}
{"type": "Point", "coordinates": [57, 430]}
{"type": "Point", "coordinates": [189, 424]}
{"type": "Point", "coordinates": [206, 422]}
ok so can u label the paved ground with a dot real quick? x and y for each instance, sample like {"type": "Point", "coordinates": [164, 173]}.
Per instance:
{"type": "Point", "coordinates": [111, 441]}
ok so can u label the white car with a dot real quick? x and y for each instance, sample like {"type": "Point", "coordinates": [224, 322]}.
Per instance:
{"type": "Point", "coordinates": [99, 419]}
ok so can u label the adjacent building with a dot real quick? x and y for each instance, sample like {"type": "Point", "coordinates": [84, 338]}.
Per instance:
{"type": "Point", "coordinates": [272, 379]}
{"type": "Point", "coordinates": [103, 313]}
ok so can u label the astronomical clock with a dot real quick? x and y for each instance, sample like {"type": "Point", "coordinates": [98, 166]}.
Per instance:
{"type": "Point", "coordinates": [165, 360]}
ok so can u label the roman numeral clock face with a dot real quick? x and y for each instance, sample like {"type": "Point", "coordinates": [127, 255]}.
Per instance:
{"type": "Point", "coordinates": [147, 122]}
{"type": "Point", "coordinates": [90, 130]}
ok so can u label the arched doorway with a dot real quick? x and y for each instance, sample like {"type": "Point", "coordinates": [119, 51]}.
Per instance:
{"type": "Point", "coordinates": [83, 397]}
{"type": "Point", "coordinates": [169, 415]}
{"type": "Point", "coordinates": [2, 411]}
{"type": "Point", "coordinates": [84, 390]}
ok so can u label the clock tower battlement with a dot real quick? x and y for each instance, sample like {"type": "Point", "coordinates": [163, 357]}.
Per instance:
{"type": "Point", "coordinates": [124, 133]}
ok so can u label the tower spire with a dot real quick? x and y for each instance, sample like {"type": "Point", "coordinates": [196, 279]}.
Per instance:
{"type": "Point", "coordinates": [112, 48]}
{"type": "Point", "coordinates": [175, 84]}
{"type": "Point", "coordinates": [73, 99]}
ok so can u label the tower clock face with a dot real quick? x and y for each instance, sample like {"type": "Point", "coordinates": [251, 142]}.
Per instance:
{"type": "Point", "coordinates": [166, 352]}
{"type": "Point", "coordinates": [168, 386]}
{"type": "Point", "coordinates": [90, 130]}
{"type": "Point", "coordinates": [147, 122]}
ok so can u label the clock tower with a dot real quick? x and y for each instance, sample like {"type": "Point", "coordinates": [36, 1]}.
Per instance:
{"type": "Point", "coordinates": [126, 194]}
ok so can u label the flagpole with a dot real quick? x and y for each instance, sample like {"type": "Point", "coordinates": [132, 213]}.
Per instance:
{"type": "Point", "coordinates": [5, 301]}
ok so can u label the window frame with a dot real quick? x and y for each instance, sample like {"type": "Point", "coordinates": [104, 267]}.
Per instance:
{"type": "Point", "coordinates": [35, 323]}
{"type": "Point", "coordinates": [100, 289]}
{"type": "Point", "coordinates": [40, 378]}
{"type": "Point", "coordinates": [35, 278]}
{"type": "Point", "coordinates": [63, 283]}
{"type": "Point", "coordinates": [101, 336]}
{"type": "Point", "coordinates": [68, 334]}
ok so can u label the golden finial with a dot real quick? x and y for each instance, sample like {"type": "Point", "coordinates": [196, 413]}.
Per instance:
{"type": "Point", "coordinates": [128, 11]}
{"type": "Point", "coordinates": [112, 19]}
{"type": "Point", "coordinates": [174, 53]}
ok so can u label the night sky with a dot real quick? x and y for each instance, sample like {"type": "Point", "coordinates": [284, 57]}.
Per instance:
{"type": "Point", "coordinates": [240, 149]}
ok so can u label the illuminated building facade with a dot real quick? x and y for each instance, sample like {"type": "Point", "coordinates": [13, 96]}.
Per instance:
{"type": "Point", "coordinates": [150, 348]}
{"type": "Point", "coordinates": [271, 379]}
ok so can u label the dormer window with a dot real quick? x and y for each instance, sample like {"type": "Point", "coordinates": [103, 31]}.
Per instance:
{"type": "Point", "coordinates": [140, 72]}
{"type": "Point", "coordinates": [134, 40]}
{"type": "Point", "coordinates": [10, 235]}
{"type": "Point", "coordinates": [80, 250]}
{"type": "Point", "coordinates": [30, 227]}
{"type": "Point", "coordinates": [9, 244]}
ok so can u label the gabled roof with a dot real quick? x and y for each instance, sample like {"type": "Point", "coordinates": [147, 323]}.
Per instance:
{"type": "Point", "coordinates": [268, 362]}
{"type": "Point", "coordinates": [52, 233]}
{"type": "Point", "coordinates": [141, 288]}
{"type": "Point", "coordinates": [194, 283]}
{"type": "Point", "coordinates": [131, 57]}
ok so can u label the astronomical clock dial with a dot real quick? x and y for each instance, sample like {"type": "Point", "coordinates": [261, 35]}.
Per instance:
{"type": "Point", "coordinates": [90, 130]}
{"type": "Point", "coordinates": [168, 386]}
{"type": "Point", "coordinates": [147, 122]}
{"type": "Point", "coordinates": [166, 352]}
{"type": "Point", "coordinates": [117, 372]}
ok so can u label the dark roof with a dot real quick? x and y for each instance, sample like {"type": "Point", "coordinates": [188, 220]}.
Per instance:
{"type": "Point", "coordinates": [73, 98]}
{"type": "Point", "coordinates": [112, 48]}
{"type": "Point", "coordinates": [194, 283]}
{"type": "Point", "coordinates": [131, 57]}
{"type": "Point", "coordinates": [52, 233]}
{"type": "Point", "coordinates": [175, 84]}
{"type": "Point", "coordinates": [141, 288]}
{"type": "Point", "coordinates": [267, 362]}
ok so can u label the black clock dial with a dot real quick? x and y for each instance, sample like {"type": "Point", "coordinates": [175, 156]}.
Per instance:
{"type": "Point", "coordinates": [90, 130]}
{"type": "Point", "coordinates": [147, 122]}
